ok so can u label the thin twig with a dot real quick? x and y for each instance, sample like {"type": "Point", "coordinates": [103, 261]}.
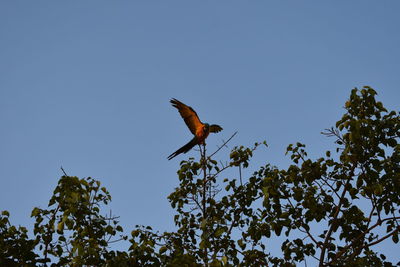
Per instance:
{"type": "Point", "coordinates": [331, 187]}
{"type": "Point", "coordinates": [305, 229]}
{"type": "Point", "coordinates": [64, 171]}
{"type": "Point", "coordinates": [240, 173]}
{"type": "Point", "coordinates": [223, 145]}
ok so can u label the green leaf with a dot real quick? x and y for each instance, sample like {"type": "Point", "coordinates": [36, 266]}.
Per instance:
{"type": "Point", "coordinates": [359, 181]}
{"type": "Point", "coordinates": [241, 244]}
{"type": "Point", "coordinates": [265, 191]}
{"type": "Point", "coordinates": [219, 231]}
{"type": "Point", "coordinates": [163, 249]}
{"type": "Point", "coordinates": [35, 212]}
{"type": "Point", "coordinates": [202, 244]}
{"type": "Point", "coordinates": [203, 223]}
{"type": "Point", "coordinates": [7, 214]}
{"type": "Point", "coordinates": [378, 189]}
{"type": "Point", "coordinates": [395, 237]}
{"type": "Point", "coordinates": [60, 227]}
{"type": "Point", "coordinates": [80, 249]}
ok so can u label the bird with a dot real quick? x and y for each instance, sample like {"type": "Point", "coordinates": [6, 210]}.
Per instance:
{"type": "Point", "coordinates": [197, 128]}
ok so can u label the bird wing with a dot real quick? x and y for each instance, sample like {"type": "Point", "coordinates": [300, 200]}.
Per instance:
{"type": "Point", "coordinates": [215, 128]}
{"type": "Point", "coordinates": [189, 115]}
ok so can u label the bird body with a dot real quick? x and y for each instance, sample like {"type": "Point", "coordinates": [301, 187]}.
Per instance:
{"type": "Point", "coordinates": [197, 128]}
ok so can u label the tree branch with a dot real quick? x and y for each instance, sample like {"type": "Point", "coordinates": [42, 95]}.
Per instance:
{"type": "Point", "coordinates": [344, 249]}
{"type": "Point", "coordinates": [381, 239]}
{"type": "Point", "coordinates": [223, 145]}
{"type": "Point", "coordinates": [334, 219]}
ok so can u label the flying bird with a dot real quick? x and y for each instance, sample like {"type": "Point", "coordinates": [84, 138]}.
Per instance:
{"type": "Point", "coordinates": [199, 130]}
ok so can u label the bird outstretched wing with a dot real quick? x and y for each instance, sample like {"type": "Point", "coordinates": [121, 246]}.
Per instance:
{"type": "Point", "coordinates": [189, 116]}
{"type": "Point", "coordinates": [214, 128]}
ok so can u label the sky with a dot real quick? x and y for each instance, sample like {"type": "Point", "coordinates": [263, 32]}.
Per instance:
{"type": "Point", "coordinates": [86, 85]}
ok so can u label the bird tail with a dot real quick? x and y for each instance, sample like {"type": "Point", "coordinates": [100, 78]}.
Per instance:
{"type": "Point", "coordinates": [184, 149]}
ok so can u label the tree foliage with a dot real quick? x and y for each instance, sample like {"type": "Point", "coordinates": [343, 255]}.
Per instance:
{"type": "Point", "coordinates": [329, 211]}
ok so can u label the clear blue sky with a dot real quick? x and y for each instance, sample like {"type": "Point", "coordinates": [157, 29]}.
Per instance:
{"type": "Point", "coordinates": [86, 85]}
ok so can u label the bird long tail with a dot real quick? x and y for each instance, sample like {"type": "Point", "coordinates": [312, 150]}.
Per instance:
{"type": "Point", "coordinates": [184, 149]}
